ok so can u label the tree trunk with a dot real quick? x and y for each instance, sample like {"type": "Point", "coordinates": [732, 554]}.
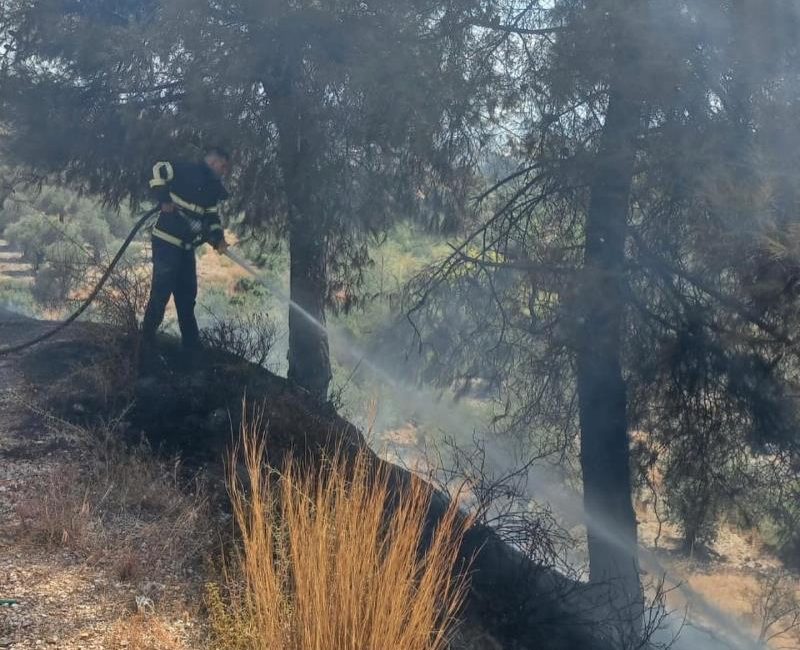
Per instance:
{"type": "Point", "coordinates": [309, 355]}
{"type": "Point", "coordinates": [605, 457]}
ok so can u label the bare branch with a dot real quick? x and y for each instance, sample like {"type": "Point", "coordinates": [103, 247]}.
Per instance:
{"type": "Point", "coordinates": [512, 29]}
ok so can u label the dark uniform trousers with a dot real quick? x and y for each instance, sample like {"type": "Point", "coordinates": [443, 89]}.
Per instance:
{"type": "Point", "coordinates": [174, 275]}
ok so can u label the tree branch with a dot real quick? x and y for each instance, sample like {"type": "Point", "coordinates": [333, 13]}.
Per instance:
{"type": "Point", "coordinates": [507, 179]}
{"type": "Point", "coordinates": [512, 29]}
{"type": "Point", "coordinates": [661, 265]}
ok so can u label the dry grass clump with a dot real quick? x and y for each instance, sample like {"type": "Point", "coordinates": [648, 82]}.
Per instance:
{"type": "Point", "coordinates": [60, 512]}
{"type": "Point", "coordinates": [142, 632]}
{"type": "Point", "coordinates": [123, 506]}
{"type": "Point", "coordinates": [332, 560]}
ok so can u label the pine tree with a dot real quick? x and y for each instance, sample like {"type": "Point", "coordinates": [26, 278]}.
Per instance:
{"type": "Point", "coordinates": [342, 115]}
{"type": "Point", "coordinates": [621, 278]}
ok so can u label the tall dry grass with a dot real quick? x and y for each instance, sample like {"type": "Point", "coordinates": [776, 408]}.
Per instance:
{"type": "Point", "coordinates": [331, 560]}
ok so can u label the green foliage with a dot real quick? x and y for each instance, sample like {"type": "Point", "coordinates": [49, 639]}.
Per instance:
{"type": "Point", "coordinates": [16, 296]}
{"type": "Point", "coordinates": [61, 235]}
{"type": "Point", "coordinates": [404, 252]}
{"type": "Point", "coordinates": [695, 502]}
{"type": "Point", "coordinates": [771, 504]}
{"type": "Point", "coordinates": [706, 273]}
{"type": "Point", "coordinates": [782, 536]}
{"type": "Point", "coordinates": [343, 115]}
{"type": "Point", "coordinates": [32, 234]}
{"type": "Point", "coordinates": [348, 117]}
{"type": "Point", "coordinates": [249, 298]}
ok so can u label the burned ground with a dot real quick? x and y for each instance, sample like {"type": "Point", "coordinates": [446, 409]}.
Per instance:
{"type": "Point", "coordinates": [88, 377]}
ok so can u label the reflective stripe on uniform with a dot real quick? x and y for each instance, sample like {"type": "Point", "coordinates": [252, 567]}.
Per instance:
{"type": "Point", "coordinates": [215, 226]}
{"type": "Point", "coordinates": [193, 207]}
{"type": "Point", "coordinates": [185, 204]}
{"type": "Point", "coordinates": [171, 239]}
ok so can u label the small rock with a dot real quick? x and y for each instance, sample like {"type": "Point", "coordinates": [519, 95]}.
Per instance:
{"type": "Point", "coordinates": [5, 643]}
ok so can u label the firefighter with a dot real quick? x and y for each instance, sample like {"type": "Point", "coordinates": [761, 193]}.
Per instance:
{"type": "Point", "coordinates": [188, 195]}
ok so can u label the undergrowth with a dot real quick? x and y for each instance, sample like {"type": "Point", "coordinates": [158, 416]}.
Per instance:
{"type": "Point", "coordinates": [121, 506]}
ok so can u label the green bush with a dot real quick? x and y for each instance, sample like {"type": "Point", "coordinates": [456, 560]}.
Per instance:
{"type": "Point", "coordinates": [61, 235]}
{"type": "Point", "coordinates": [779, 523]}
{"type": "Point", "coordinates": [16, 296]}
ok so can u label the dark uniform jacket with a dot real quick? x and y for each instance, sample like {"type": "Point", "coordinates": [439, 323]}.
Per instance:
{"type": "Point", "coordinates": [196, 193]}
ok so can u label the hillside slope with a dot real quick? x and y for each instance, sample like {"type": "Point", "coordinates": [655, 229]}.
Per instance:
{"type": "Point", "coordinates": [87, 376]}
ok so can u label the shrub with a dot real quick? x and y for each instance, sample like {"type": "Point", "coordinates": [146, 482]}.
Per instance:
{"type": "Point", "coordinates": [125, 295]}
{"type": "Point", "coordinates": [16, 296]}
{"type": "Point", "coordinates": [63, 236]}
{"type": "Point", "coordinates": [776, 607]}
{"type": "Point", "coordinates": [249, 336]}
{"type": "Point", "coordinates": [693, 504]}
